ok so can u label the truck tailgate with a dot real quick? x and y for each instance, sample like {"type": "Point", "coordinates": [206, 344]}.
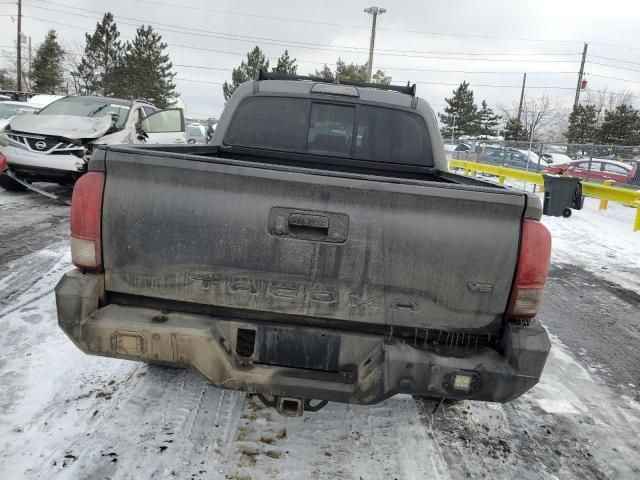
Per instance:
{"type": "Point", "coordinates": [284, 242]}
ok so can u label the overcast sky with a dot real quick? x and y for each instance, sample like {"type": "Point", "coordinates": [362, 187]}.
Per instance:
{"type": "Point", "coordinates": [438, 43]}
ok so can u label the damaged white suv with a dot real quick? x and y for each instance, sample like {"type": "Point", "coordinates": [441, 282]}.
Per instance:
{"type": "Point", "coordinates": [55, 144]}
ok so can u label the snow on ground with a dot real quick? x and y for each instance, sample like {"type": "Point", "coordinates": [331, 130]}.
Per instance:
{"type": "Point", "coordinates": [604, 245]}
{"type": "Point", "coordinates": [67, 415]}
{"type": "Point", "coordinates": [600, 241]}
{"type": "Point", "coordinates": [70, 416]}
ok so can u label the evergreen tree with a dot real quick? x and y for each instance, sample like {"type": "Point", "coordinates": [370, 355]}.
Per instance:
{"type": "Point", "coordinates": [256, 61]}
{"type": "Point", "coordinates": [148, 69]}
{"type": "Point", "coordinates": [286, 64]}
{"type": "Point", "coordinates": [463, 108]}
{"type": "Point", "coordinates": [582, 124]}
{"type": "Point", "coordinates": [381, 78]}
{"type": "Point", "coordinates": [488, 121]}
{"type": "Point", "coordinates": [514, 130]}
{"type": "Point", "coordinates": [325, 73]}
{"type": "Point", "coordinates": [620, 126]}
{"type": "Point", "coordinates": [47, 73]}
{"type": "Point", "coordinates": [100, 70]}
{"type": "Point", "coordinates": [353, 72]}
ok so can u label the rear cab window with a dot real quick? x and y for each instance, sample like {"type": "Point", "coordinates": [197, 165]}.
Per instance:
{"type": "Point", "coordinates": [317, 127]}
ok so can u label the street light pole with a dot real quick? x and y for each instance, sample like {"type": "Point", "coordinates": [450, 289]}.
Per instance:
{"type": "Point", "coordinates": [375, 11]}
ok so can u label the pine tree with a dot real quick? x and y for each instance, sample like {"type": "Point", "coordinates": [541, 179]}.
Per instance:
{"type": "Point", "coordinates": [100, 70]}
{"type": "Point", "coordinates": [148, 69]}
{"type": "Point", "coordinates": [353, 72]}
{"type": "Point", "coordinates": [463, 108]}
{"type": "Point", "coordinates": [286, 64]}
{"type": "Point", "coordinates": [488, 121]}
{"type": "Point", "coordinates": [47, 72]}
{"type": "Point", "coordinates": [582, 124]}
{"type": "Point", "coordinates": [620, 126]}
{"type": "Point", "coordinates": [325, 73]}
{"type": "Point", "coordinates": [381, 78]}
{"type": "Point", "coordinates": [514, 130]}
{"type": "Point", "coordinates": [256, 61]}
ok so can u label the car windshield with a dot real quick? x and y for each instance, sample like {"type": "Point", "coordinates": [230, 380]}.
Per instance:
{"type": "Point", "coordinates": [88, 107]}
{"type": "Point", "coordinates": [8, 110]}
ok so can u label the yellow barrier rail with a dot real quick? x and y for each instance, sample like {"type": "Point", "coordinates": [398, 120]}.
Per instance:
{"type": "Point", "coordinates": [604, 192]}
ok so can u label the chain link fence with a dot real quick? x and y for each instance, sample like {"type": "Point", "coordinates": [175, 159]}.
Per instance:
{"type": "Point", "coordinates": [607, 164]}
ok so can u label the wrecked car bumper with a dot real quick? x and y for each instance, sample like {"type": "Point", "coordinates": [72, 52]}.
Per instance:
{"type": "Point", "coordinates": [38, 167]}
{"type": "Point", "coordinates": [23, 159]}
{"type": "Point", "coordinates": [299, 361]}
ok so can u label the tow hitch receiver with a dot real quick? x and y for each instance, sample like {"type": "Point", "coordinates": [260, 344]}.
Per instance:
{"type": "Point", "coordinates": [290, 406]}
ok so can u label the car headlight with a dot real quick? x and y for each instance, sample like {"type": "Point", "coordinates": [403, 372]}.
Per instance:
{"type": "Point", "coordinates": [4, 141]}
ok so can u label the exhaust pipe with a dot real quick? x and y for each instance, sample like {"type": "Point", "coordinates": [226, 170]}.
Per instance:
{"type": "Point", "coordinates": [290, 406]}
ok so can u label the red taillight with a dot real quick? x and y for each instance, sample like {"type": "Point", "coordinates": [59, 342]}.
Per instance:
{"type": "Point", "coordinates": [533, 268]}
{"type": "Point", "coordinates": [3, 163]}
{"type": "Point", "coordinates": [86, 213]}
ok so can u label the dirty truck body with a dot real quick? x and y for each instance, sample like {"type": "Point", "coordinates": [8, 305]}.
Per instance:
{"type": "Point", "coordinates": [304, 255]}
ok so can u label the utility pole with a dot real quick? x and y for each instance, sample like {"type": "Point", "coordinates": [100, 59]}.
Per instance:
{"type": "Point", "coordinates": [579, 86]}
{"type": "Point", "coordinates": [19, 46]}
{"type": "Point", "coordinates": [375, 11]}
{"type": "Point", "coordinates": [524, 82]}
{"type": "Point", "coordinates": [29, 59]}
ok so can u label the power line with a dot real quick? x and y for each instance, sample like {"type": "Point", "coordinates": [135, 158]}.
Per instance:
{"type": "Point", "coordinates": [205, 67]}
{"type": "Point", "coordinates": [267, 17]}
{"type": "Point", "coordinates": [343, 25]}
{"type": "Point", "coordinates": [613, 66]}
{"type": "Point", "coordinates": [445, 84]}
{"type": "Point", "coordinates": [290, 44]}
{"type": "Point", "coordinates": [198, 81]}
{"type": "Point", "coordinates": [486, 85]}
{"type": "Point", "coordinates": [614, 59]}
{"type": "Point", "coordinates": [614, 45]}
{"type": "Point", "coordinates": [612, 78]}
{"type": "Point", "coordinates": [202, 67]}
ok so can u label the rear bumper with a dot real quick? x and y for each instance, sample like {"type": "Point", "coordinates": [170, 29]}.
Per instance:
{"type": "Point", "coordinates": [365, 368]}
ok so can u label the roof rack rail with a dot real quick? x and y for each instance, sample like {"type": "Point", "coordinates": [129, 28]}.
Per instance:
{"type": "Point", "coordinates": [407, 89]}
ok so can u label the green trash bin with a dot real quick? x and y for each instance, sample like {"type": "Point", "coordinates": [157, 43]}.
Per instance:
{"type": "Point", "coordinates": [561, 194]}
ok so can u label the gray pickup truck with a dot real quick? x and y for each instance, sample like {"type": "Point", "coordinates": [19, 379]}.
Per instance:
{"type": "Point", "coordinates": [318, 250]}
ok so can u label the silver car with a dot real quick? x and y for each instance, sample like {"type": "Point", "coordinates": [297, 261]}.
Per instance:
{"type": "Point", "coordinates": [196, 133]}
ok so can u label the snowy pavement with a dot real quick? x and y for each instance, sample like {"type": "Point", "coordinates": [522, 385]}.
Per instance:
{"type": "Point", "coordinates": [70, 416]}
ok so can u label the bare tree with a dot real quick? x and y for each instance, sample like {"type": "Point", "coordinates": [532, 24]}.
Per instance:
{"type": "Point", "coordinates": [541, 117]}
{"type": "Point", "coordinates": [9, 63]}
{"type": "Point", "coordinates": [605, 100]}
{"type": "Point", "coordinates": [73, 55]}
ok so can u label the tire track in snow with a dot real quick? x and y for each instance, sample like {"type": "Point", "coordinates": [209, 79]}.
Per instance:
{"type": "Point", "coordinates": [569, 426]}
{"type": "Point", "coordinates": [162, 421]}
{"type": "Point", "coordinates": [341, 441]}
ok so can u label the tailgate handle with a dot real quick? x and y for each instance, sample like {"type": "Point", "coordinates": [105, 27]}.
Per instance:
{"type": "Point", "coordinates": [315, 226]}
{"type": "Point", "coordinates": [303, 220]}
{"type": "Point", "coordinates": [311, 226]}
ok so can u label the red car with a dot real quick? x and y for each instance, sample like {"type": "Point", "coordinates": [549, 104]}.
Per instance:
{"type": "Point", "coordinates": [601, 169]}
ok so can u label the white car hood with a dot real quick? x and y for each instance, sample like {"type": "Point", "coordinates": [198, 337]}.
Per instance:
{"type": "Point", "coordinates": [66, 126]}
